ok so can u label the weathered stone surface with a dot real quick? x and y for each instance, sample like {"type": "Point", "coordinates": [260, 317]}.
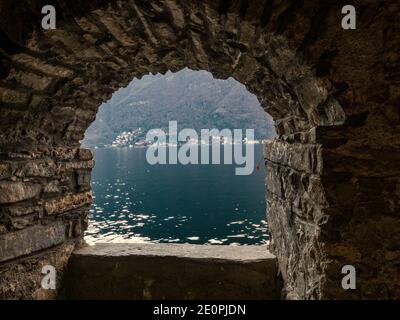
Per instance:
{"type": "Point", "coordinates": [27, 241]}
{"type": "Point", "coordinates": [5, 170]}
{"type": "Point", "coordinates": [18, 223]}
{"type": "Point", "coordinates": [187, 272]}
{"type": "Point", "coordinates": [240, 254]}
{"type": "Point", "coordinates": [68, 202]}
{"type": "Point", "coordinates": [52, 187]}
{"type": "Point", "coordinates": [43, 169]}
{"type": "Point", "coordinates": [77, 165]}
{"type": "Point", "coordinates": [11, 192]}
{"type": "Point", "coordinates": [85, 154]}
{"type": "Point", "coordinates": [300, 157]}
{"type": "Point", "coordinates": [3, 228]}
{"type": "Point", "coordinates": [83, 179]}
{"type": "Point", "coordinates": [12, 96]}
{"type": "Point", "coordinates": [18, 210]}
{"type": "Point", "coordinates": [22, 279]}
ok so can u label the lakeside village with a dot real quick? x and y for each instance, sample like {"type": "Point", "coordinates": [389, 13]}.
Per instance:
{"type": "Point", "coordinates": [137, 139]}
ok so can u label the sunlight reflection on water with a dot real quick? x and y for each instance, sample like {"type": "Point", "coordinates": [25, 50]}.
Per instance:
{"type": "Point", "coordinates": [135, 202]}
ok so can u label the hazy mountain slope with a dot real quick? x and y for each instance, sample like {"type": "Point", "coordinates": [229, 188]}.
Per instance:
{"type": "Point", "coordinates": [193, 98]}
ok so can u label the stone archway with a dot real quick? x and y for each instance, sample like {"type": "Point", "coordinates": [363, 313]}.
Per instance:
{"type": "Point", "coordinates": [332, 180]}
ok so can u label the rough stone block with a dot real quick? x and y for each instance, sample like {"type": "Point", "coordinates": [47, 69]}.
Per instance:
{"type": "Point", "coordinates": [301, 157]}
{"type": "Point", "coordinates": [68, 202]}
{"type": "Point", "coordinates": [77, 165]}
{"type": "Point", "coordinates": [5, 171]}
{"type": "Point", "coordinates": [22, 279]}
{"type": "Point", "coordinates": [85, 154]}
{"type": "Point", "coordinates": [83, 179]}
{"type": "Point", "coordinates": [34, 81]}
{"type": "Point", "coordinates": [172, 271]}
{"type": "Point", "coordinates": [27, 241]}
{"type": "Point", "coordinates": [11, 96]}
{"type": "Point", "coordinates": [11, 192]}
{"type": "Point", "coordinates": [36, 169]}
{"type": "Point", "coordinates": [18, 223]}
{"type": "Point", "coordinates": [17, 210]}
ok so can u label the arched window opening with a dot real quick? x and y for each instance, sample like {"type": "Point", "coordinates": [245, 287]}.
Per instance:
{"type": "Point", "coordinates": [135, 201]}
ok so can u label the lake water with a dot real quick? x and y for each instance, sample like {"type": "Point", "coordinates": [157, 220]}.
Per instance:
{"type": "Point", "coordinates": [199, 204]}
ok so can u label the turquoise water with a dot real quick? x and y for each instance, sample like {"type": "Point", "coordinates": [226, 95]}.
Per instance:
{"type": "Point", "coordinates": [138, 202]}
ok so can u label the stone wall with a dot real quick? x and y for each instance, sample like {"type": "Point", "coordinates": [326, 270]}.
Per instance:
{"type": "Point", "coordinates": [44, 201]}
{"type": "Point", "coordinates": [332, 175]}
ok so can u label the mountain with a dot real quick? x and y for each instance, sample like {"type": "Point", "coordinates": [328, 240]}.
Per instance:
{"type": "Point", "coordinates": [192, 98]}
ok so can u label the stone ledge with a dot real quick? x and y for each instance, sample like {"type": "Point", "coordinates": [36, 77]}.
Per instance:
{"type": "Point", "coordinates": [29, 240]}
{"type": "Point", "coordinates": [21, 278]}
{"type": "Point", "coordinates": [172, 271]}
{"type": "Point", "coordinates": [188, 251]}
